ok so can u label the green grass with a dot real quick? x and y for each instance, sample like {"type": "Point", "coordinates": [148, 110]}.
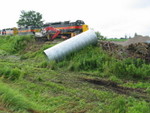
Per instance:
{"type": "Point", "coordinates": [117, 40]}
{"type": "Point", "coordinates": [30, 83]}
{"type": "Point", "coordinates": [13, 99]}
{"type": "Point", "coordinates": [14, 44]}
{"type": "Point", "coordinates": [11, 73]}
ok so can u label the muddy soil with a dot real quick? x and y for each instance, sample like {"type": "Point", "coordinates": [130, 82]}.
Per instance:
{"type": "Point", "coordinates": [135, 92]}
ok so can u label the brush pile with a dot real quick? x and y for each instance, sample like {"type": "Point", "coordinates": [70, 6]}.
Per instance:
{"type": "Point", "coordinates": [137, 47]}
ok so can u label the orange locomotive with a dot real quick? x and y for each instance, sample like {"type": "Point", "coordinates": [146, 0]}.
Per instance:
{"type": "Point", "coordinates": [64, 30]}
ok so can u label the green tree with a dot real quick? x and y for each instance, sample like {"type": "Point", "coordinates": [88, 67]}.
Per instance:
{"type": "Point", "coordinates": [101, 37]}
{"type": "Point", "coordinates": [30, 18]}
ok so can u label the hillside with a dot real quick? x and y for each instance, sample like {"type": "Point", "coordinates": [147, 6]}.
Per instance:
{"type": "Point", "coordinates": [89, 81]}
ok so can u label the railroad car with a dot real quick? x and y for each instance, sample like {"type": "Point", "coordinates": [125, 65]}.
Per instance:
{"type": "Point", "coordinates": [29, 30]}
{"type": "Point", "coordinates": [9, 31]}
{"type": "Point", "coordinates": [66, 28]}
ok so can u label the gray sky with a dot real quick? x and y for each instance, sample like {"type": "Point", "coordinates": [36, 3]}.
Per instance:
{"type": "Point", "coordinates": [113, 18]}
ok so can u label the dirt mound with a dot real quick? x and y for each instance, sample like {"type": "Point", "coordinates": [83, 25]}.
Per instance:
{"type": "Point", "coordinates": [136, 47]}
{"type": "Point", "coordinates": [136, 39]}
{"type": "Point", "coordinates": [134, 50]}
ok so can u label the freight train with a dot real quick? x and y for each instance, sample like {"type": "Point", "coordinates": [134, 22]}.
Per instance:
{"type": "Point", "coordinates": [50, 30]}
{"type": "Point", "coordinates": [20, 31]}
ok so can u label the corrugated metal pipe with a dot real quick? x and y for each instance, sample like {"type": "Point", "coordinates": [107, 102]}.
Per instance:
{"type": "Point", "coordinates": [61, 50]}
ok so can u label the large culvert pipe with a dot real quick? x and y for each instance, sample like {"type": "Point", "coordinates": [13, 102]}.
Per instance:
{"type": "Point", "coordinates": [59, 51]}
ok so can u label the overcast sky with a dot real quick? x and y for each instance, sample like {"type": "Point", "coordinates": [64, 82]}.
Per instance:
{"type": "Point", "coordinates": [113, 18]}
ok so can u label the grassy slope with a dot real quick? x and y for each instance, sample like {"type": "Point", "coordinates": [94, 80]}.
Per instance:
{"type": "Point", "coordinates": [31, 84]}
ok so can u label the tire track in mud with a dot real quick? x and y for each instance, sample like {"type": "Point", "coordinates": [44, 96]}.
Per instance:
{"type": "Point", "coordinates": [134, 92]}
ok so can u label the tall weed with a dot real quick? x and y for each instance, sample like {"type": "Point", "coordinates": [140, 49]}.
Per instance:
{"type": "Point", "coordinates": [14, 44]}
{"type": "Point", "coordinates": [12, 98]}
{"type": "Point", "coordinates": [11, 73]}
{"type": "Point", "coordinates": [134, 68]}
{"type": "Point", "coordinates": [19, 43]}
